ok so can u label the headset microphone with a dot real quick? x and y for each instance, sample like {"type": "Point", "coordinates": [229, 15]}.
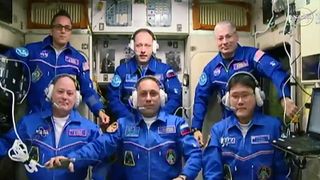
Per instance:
{"type": "Point", "coordinates": [141, 108]}
{"type": "Point", "coordinates": [56, 105]}
{"type": "Point", "coordinates": [233, 108]}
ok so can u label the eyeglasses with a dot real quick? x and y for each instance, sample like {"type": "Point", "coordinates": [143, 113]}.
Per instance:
{"type": "Point", "coordinates": [59, 27]}
{"type": "Point", "coordinates": [243, 96]}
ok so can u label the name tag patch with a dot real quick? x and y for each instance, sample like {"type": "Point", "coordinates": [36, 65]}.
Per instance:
{"type": "Point", "coordinates": [131, 78]}
{"type": "Point", "coordinates": [77, 132]}
{"type": "Point", "coordinates": [166, 130]}
{"type": "Point", "coordinates": [132, 131]}
{"type": "Point", "coordinates": [260, 139]}
{"type": "Point", "coordinates": [240, 65]}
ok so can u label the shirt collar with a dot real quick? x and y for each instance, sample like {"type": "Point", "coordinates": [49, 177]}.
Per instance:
{"type": "Point", "coordinates": [152, 65]}
{"type": "Point", "coordinates": [238, 56]}
{"type": "Point", "coordinates": [48, 42]}
{"type": "Point", "coordinates": [256, 120]}
{"type": "Point", "coordinates": [161, 117]}
{"type": "Point", "coordinates": [74, 115]}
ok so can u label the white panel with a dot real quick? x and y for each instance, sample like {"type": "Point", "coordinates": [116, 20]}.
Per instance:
{"type": "Point", "coordinates": [180, 13]}
{"type": "Point", "coordinates": [310, 28]}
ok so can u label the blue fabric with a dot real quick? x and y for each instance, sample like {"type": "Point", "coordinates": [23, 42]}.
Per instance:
{"type": "Point", "coordinates": [216, 75]}
{"type": "Point", "coordinates": [247, 156]}
{"type": "Point", "coordinates": [154, 153]}
{"type": "Point", "coordinates": [125, 78]}
{"type": "Point", "coordinates": [37, 132]}
{"type": "Point", "coordinates": [44, 66]}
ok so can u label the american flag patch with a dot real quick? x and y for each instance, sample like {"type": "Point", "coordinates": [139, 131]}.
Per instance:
{"type": "Point", "coordinates": [170, 73]}
{"type": "Point", "coordinates": [85, 66]}
{"type": "Point", "coordinates": [258, 55]}
{"type": "Point", "coordinates": [184, 129]}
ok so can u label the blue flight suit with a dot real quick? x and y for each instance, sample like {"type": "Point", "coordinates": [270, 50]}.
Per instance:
{"type": "Point", "coordinates": [37, 132]}
{"type": "Point", "coordinates": [249, 157]}
{"type": "Point", "coordinates": [45, 64]}
{"type": "Point", "coordinates": [216, 75]}
{"type": "Point", "coordinates": [125, 78]}
{"type": "Point", "coordinates": [154, 153]}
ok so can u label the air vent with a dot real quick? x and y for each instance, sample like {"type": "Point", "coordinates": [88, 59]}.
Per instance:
{"type": "Point", "coordinates": [41, 13]}
{"type": "Point", "coordinates": [211, 14]}
{"type": "Point", "coordinates": [207, 15]}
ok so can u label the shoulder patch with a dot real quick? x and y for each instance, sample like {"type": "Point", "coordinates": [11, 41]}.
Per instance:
{"type": "Point", "coordinates": [185, 129]}
{"type": "Point", "coordinates": [23, 52]}
{"type": "Point", "coordinates": [116, 81]}
{"type": "Point", "coordinates": [203, 79]}
{"type": "Point", "coordinates": [170, 74]}
{"type": "Point", "coordinates": [85, 66]}
{"type": "Point", "coordinates": [258, 55]}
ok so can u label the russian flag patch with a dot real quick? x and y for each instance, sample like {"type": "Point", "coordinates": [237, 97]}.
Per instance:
{"type": "Point", "coordinates": [185, 129]}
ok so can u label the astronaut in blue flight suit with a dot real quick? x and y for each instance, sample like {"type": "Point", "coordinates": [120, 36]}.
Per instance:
{"type": "Point", "coordinates": [152, 141]}
{"type": "Point", "coordinates": [240, 145]}
{"type": "Point", "coordinates": [144, 44]}
{"type": "Point", "coordinates": [54, 56]}
{"type": "Point", "coordinates": [55, 131]}
{"type": "Point", "coordinates": [232, 58]}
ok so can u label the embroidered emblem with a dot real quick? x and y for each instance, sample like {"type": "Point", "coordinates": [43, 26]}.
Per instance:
{"type": "Point", "coordinates": [184, 129]}
{"type": "Point", "coordinates": [203, 79]}
{"type": "Point", "coordinates": [42, 131]}
{"type": "Point", "coordinates": [131, 78]}
{"type": "Point", "coordinates": [132, 131]}
{"type": "Point", "coordinates": [77, 132]}
{"type": "Point", "coordinates": [72, 60]}
{"type": "Point", "coordinates": [217, 71]}
{"type": "Point", "coordinates": [258, 55]}
{"type": "Point", "coordinates": [167, 129]}
{"type": "Point", "coordinates": [170, 74]}
{"type": "Point", "coordinates": [171, 157]}
{"type": "Point", "coordinates": [128, 159]}
{"type": "Point", "coordinates": [260, 139]}
{"type": "Point", "coordinates": [23, 52]}
{"type": "Point", "coordinates": [225, 141]}
{"type": "Point", "coordinates": [36, 75]}
{"type": "Point", "coordinates": [116, 81]}
{"type": "Point", "coordinates": [240, 65]}
{"type": "Point", "coordinates": [85, 66]}
{"type": "Point", "coordinates": [264, 173]}
{"type": "Point", "coordinates": [44, 54]}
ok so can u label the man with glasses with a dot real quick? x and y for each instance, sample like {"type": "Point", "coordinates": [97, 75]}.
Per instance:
{"type": "Point", "coordinates": [232, 58]}
{"type": "Point", "coordinates": [54, 56]}
{"type": "Point", "coordinates": [240, 145]}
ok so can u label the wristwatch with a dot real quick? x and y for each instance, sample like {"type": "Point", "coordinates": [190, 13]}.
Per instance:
{"type": "Point", "coordinates": [195, 129]}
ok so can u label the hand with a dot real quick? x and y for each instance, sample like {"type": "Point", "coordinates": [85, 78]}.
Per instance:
{"type": "Point", "coordinates": [180, 177]}
{"type": "Point", "coordinates": [57, 161]}
{"type": "Point", "coordinates": [103, 117]}
{"type": "Point", "coordinates": [198, 136]}
{"type": "Point", "coordinates": [291, 108]}
{"type": "Point", "coordinates": [112, 128]}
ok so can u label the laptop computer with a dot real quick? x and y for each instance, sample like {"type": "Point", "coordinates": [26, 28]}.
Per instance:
{"type": "Point", "coordinates": [308, 143]}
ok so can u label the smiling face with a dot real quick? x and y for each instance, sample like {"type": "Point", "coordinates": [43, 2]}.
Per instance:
{"type": "Point", "coordinates": [148, 97]}
{"type": "Point", "coordinates": [226, 39]}
{"type": "Point", "coordinates": [61, 31]}
{"type": "Point", "coordinates": [64, 96]}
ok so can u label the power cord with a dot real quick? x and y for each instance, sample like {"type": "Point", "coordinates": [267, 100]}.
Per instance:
{"type": "Point", "coordinates": [19, 152]}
